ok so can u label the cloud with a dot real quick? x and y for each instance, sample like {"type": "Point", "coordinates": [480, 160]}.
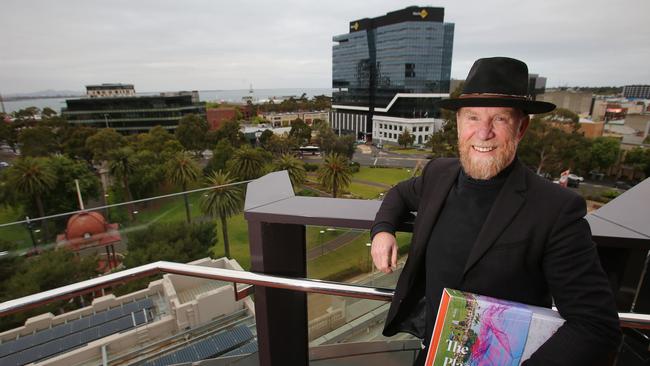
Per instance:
{"type": "Point", "coordinates": [170, 45]}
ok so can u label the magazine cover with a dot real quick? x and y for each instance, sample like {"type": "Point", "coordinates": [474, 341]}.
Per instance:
{"type": "Point", "coordinates": [473, 330]}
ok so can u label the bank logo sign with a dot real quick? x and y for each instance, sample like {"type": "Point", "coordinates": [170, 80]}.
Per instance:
{"type": "Point", "coordinates": [422, 13]}
{"type": "Point", "coordinates": [355, 26]}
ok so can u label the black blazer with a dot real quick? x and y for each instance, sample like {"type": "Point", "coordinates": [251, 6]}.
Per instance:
{"type": "Point", "coordinates": [535, 247]}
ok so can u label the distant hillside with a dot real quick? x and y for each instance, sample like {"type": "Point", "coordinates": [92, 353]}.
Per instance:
{"type": "Point", "coordinates": [43, 94]}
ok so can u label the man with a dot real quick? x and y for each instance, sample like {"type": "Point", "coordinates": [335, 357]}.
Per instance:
{"type": "Point", "coordinates": [488, 225]}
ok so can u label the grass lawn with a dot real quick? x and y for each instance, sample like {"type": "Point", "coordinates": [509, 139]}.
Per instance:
{"type": "Point", "coordinates": [355, 254]}
{"type": "Point", "coordinates": [408, 151]}
{"type": "Point", "coordinates": [365, 191]}
{"type": "Point", "coordinates": [238, 239]}
{"type": "Point", "coordinates": [169, 210]}
{"type": "Point", "coordinates": [14, 233]}
{"type": "Point", "coordinates": [389, 176]}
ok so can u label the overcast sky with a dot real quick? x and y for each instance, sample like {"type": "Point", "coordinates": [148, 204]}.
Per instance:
{"type": "Point", "coordinates": [181, 45]}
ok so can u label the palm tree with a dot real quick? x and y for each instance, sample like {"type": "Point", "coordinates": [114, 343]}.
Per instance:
{"type": "Point", "coordinates": [121, 167]}
{"type": "Point", "coordinates": [334, 174]}
{"type": "Point", "coordinates": [183, 170]}
{"type": "Point", "coordinates": [222, 201]}
{"type": "Point", "coordinates": [33, 177]}
{"type": "Point", "coordinates": [294, 166]}
{"type": "Point", "coordinates": [247, 163]}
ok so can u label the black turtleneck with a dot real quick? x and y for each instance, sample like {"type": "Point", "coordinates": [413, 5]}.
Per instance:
{"type": "Point", "coordinates": [452, 238]}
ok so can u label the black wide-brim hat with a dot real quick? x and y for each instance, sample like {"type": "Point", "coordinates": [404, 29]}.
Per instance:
{"type": "Point", "coordinates": [497, 82]}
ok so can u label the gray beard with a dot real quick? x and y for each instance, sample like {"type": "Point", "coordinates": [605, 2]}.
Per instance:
{"type": "Point", "coordinates": [489, 167]}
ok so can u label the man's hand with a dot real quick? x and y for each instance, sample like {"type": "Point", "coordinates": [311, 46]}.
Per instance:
{"type": "Point", "coordinates": [384, 252]}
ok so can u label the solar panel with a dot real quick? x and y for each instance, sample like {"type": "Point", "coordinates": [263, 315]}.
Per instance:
{"type": "Point", "coordinates": [74, 333]}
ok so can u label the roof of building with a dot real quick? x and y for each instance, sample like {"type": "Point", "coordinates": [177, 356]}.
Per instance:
{"type": "Point", "coordinates": [67, 336]}
{"type": "Point", "coordinates": [625, 217]}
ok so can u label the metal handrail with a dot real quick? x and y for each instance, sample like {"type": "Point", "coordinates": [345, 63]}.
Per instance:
{"type": "Point", "coordinates": [628, 320]}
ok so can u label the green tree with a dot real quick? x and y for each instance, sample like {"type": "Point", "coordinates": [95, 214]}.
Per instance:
{"type": "Point", "coordinates": [176, 241]}
{"type": "Point", "coordinates": [222, 201]}
{"type": "Point", "coordinates": [38, 141]}
{"type": "Point", "coordinates": [221, 154]}
{"type": "Point", "coordinates": [191, 132]}
{"type": "Point", "coordinates": [444, 142]}
{"type": "Point", "coordinates": [294, 166]}
{"type": "Point", "coordinates": [280, 145]}
{"type": "Point", "coordinates": [639, 159]}
{"type": "Point", "coordinates": [247, 163]}
{"type": "Point", "coordinates": [46, 271]}
{"type": "Point", "coordinates": [300, 131]}
{"type": "Point", "coordinates": [334, 174]}
{"type": "Point", "coordinates": [74, 143]}
{"type": "Point", "coordinates": [405, 139]}
{"type": "Point", "coordinates": [604, 152]}
{"type": "Point", "coordinates": [229, 131]}
{"type": "Point", "coordinates": [121, 167]}
{"type": "Point", "coordinates": [541, 145]}
{"type": "Point", "coordinates": [104, 143]}
{"type": "Point", "coordinates": [48, 112]}
{"type": "Point", "coordinates": [32, 177]}
{"type": "Point", "coordinates": [63, 195]}
{"type": "Point", "coordinates": [183, 170]}
{"type": "Point", "coordinates": [159, 141]}
{"type": "Point", "coordinates": [265, 136]}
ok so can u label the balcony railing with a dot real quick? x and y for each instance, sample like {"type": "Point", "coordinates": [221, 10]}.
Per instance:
{"type": "Point", "coordinates": [628, 320]}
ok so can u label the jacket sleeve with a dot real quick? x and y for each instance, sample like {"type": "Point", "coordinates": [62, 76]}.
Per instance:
{"type": "Point", "coordinates": [398, 203]}
{"type": "Point", "coordinates": [581, 293]}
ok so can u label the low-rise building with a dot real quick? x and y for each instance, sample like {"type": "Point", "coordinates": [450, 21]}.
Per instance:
{"type": "Point", "coordinates": [218, 116]}
{"type": "Point", "coordinates": [388, 129]}
{"type": "Point", "coordinates": [133, 114]}
{"type": "Point", "coordinates": [608, 109]}
{"type": "Point", "coordinates": [577, 102]}
{"type": "Point", "coordinates": [285, 119]}
{"type": "Point", "coordinates": [636, 91]}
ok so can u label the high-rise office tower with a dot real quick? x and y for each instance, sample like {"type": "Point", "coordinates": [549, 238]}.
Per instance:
{"type": "Point", "coordinates": [388, 71]}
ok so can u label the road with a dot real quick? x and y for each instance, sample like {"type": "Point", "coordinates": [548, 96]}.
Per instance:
{"type": "Point", "coordinates": [371, 156]}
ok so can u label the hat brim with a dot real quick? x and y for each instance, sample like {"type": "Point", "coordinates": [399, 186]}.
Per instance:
{"type": "Point", "coordinates": [528, 106]}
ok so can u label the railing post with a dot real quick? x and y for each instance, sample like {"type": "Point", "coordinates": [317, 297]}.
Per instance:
{"type": "Point", "coordinates": [281, 315]}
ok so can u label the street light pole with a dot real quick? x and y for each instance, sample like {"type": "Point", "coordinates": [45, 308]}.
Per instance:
{"type": "Point", "coordinates": [31, 233]}
{"type": "Point", "coordinates": [106, 120]}
{"type": "Point", "coordinates": [320, 238]}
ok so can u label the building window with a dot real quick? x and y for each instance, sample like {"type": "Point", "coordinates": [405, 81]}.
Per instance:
{"type": "Point", "coordinates": [414, 128]}
{"type": "Point", "coordinates": [400, 128]}
{"type": "Point", "coordinates": [426, 128]}
{"type": "Point", "coordinates": [420, 129]}
{"type": "Point", "coordinates": [409, 70]}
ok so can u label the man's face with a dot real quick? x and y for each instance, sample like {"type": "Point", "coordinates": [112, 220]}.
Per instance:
{"type": "Point", "coordinates": [488, 138]}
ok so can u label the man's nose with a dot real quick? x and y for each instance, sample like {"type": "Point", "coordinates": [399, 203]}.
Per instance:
{"type": "Point", "coordinates": [485, 131]}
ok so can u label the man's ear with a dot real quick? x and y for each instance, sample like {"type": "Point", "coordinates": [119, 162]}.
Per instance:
{"type": "Point", "coordinates": [523, 125]}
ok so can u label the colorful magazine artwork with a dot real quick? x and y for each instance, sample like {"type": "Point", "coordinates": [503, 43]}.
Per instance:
{"type": "Point", "coordinates": [475, 330]}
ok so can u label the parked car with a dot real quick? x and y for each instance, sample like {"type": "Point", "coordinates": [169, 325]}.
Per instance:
{"type": "Point", "coordinates": [4, 164]}
{"type": "Point", "coordinates": [622, 185]}
{"type": "Point", "coordinates": [576, 177]}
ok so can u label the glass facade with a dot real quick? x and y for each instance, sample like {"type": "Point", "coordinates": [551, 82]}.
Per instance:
{"type": "Point", "coordinates": [132, 114]}
{"type": "Point", "coordinates": [407, 51]}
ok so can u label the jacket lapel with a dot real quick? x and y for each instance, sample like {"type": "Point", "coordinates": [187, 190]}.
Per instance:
{"type": "Point", "coordinates": [438, 190]}
{"type": "Point", "coordinates": [503, 211]}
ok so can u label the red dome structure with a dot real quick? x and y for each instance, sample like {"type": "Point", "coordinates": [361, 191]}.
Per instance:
{"type": "Point", "coordinates": [86, 224]}
{"type": "Point", "coordinates": [88, 230]}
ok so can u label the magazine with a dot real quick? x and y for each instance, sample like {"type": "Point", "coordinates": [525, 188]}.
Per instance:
{"type": "Point", "coordinates": [480, 330]}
